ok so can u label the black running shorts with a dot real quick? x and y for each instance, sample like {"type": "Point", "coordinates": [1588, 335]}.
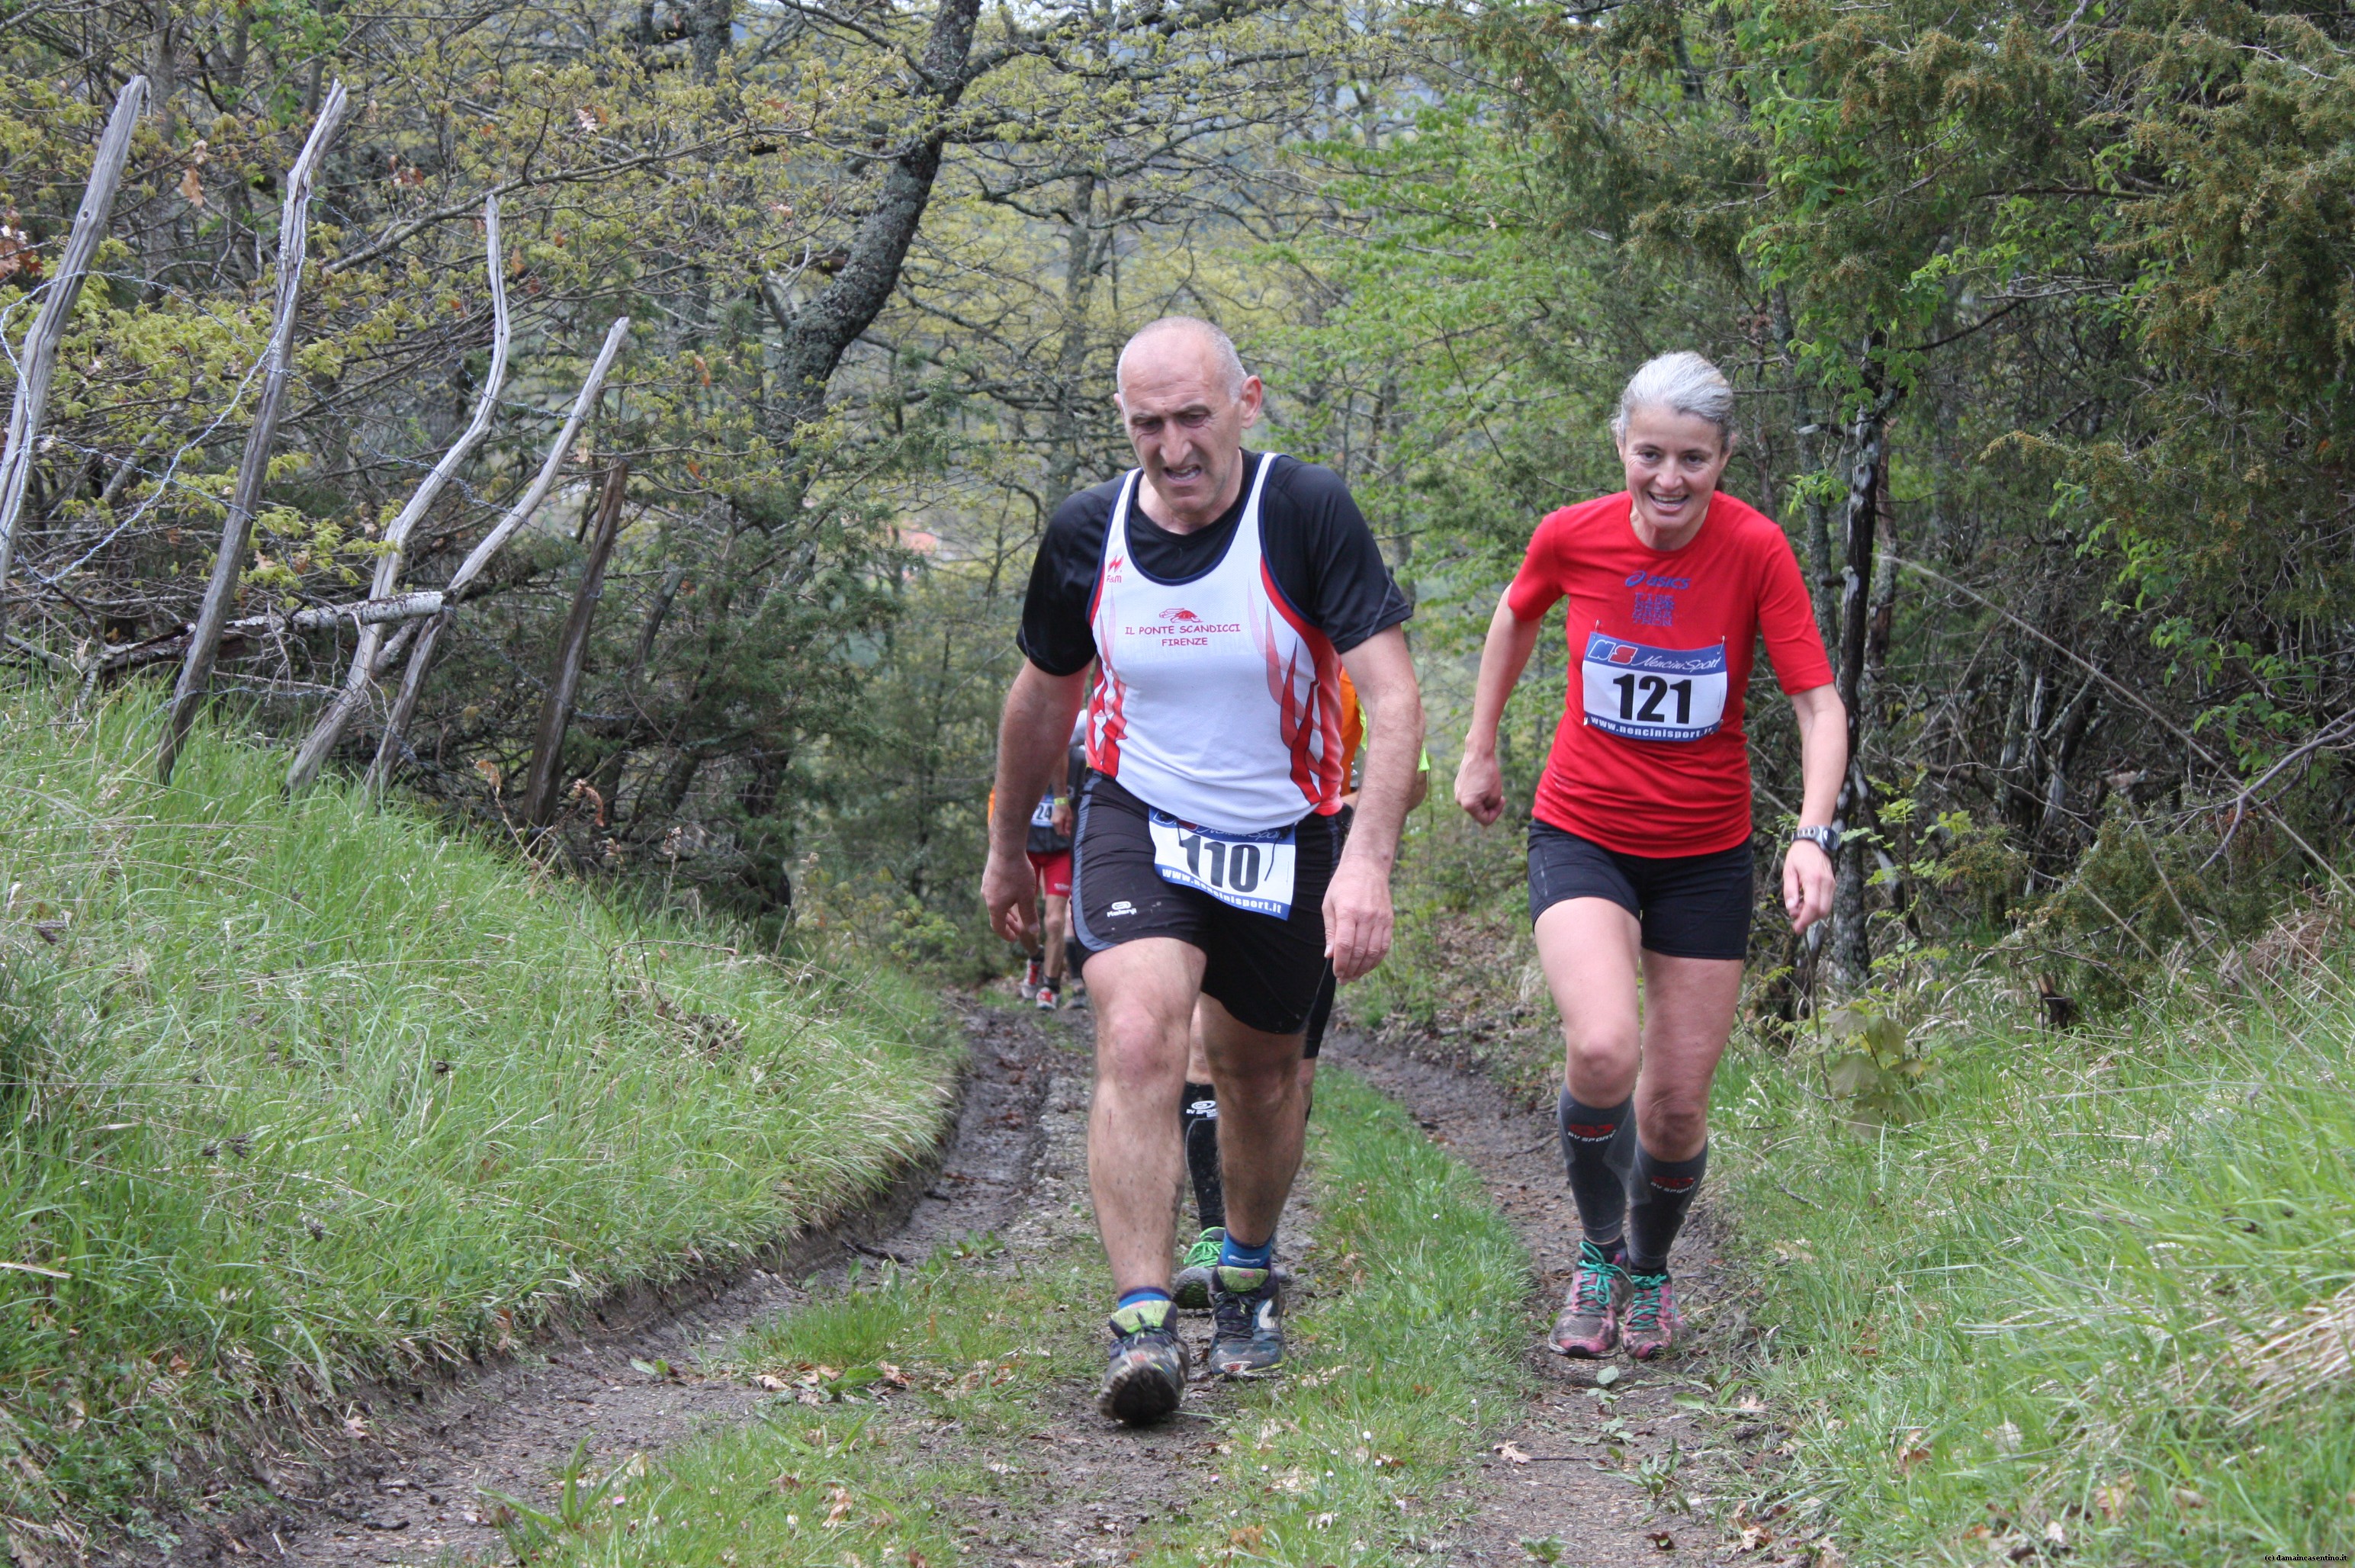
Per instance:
{"type": "Point", "coordinates": [1264, 970]}
{"type": "Point", "coordinates": [1691, 906]}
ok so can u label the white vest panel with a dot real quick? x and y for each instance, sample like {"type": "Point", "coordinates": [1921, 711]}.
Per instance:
{"type": "Point", "coordinates": [1218, 702]}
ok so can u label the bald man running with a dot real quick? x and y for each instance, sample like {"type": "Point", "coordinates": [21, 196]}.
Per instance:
{"type": "Point", "coordinates": [1221, 592]}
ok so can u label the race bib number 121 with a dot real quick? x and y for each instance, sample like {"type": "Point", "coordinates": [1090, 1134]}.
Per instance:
{"type": "Point", "coordinates": [1653, 694]}
{"type": "Point", "coordinates": [1249, 870]}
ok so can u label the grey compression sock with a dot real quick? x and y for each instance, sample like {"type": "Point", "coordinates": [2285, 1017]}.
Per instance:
{"type": "Point", "coordinates": [1662, 1192]}
{"type": "Point", "coordinates": [1597, 1146]}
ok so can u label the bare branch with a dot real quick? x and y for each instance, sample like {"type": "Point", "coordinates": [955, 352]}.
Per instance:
{"type": "Point", "coordinates": [366, 659]}
{"type": "Point", "coordinates": [278, 360]}
{"type": "Point", "coordinates": [40, 360]}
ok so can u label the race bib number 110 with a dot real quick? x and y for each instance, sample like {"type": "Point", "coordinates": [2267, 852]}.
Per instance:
{"type": "Point", "coordinates": [1653, 694]}
{"type": "Point", "coordinates": [1249, 870]}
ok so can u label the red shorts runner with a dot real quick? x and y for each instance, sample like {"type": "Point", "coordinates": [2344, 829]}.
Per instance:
{"type": "Point", "coordinates": [1054, 872]}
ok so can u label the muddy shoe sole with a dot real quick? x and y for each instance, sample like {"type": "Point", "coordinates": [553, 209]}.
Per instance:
{"type": "Point", "coordinates": [1139, 1391]}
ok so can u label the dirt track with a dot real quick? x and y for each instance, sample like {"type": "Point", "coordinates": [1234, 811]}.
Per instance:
{"type": "Point", "coordinates": [409, 1491]}
{"type": "Point", "coordinates": [1583, 1483]}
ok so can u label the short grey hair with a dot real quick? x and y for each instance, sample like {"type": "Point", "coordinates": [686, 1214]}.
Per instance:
{"type": "Point", "coordinates": [1682, 383]}
{"type": "Point", "coordinates": [1222, 349]}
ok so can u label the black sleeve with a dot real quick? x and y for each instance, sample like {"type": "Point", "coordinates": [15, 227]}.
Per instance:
{"type": "Point", "coordinates": [1325, 559]}
{"type": "Point", "coordinates": [1055, 634]}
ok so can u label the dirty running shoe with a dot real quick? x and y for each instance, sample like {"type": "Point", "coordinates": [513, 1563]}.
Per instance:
{"type": "Point", "coordinates": [1147, 1375]}
{"type": "Point", "coordinates": [1032, 973]}
{"type": "Point", "coordinates": [1048, 998]}
{"type": "Point", "coordinates": [1589, 1325]}
{"type": "Point", "coordinates": [1247, 1305]}
{"type": "Point", "coordinates": [1652, 1322]}
{"type": "Point", "coordinates": [1191, 1289]}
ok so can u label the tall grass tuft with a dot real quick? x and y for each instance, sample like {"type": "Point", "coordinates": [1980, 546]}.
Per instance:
{"type": "Point", "coordinates": [2094, 1301]}
{"type": "Point", "coordinates": [300, 1094]}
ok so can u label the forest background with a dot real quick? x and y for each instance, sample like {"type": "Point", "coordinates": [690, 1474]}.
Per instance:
{"type": "Point", "coordinates": [2039, 315]}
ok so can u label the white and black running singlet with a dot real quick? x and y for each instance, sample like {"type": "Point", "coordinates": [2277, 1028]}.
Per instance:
{"type": "Point", "coordinates": [1219, 700]}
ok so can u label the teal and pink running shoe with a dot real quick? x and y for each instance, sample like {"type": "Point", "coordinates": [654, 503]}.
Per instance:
{"type": "Point", "coordinates": [1588, 1327]}
{"type": "Point", "coordinates": [1651, 1322]}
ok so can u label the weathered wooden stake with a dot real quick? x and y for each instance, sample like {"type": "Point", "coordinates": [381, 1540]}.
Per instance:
{"type": "Point", "coordinates": [369, 658]}
{"type": "Point", "coordinates": [542, 785]}
{"type": "Point", "coordinates": [38, 361]}
{"type": "Point", "coordinates": [245, 500]}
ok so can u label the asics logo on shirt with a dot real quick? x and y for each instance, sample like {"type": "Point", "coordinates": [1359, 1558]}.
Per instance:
{"type": "Point", "coordinates": [1646, 579]}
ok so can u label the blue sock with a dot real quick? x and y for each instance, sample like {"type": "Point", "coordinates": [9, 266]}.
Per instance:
{"type": "Point", "coordinates": [1242, 1254]}
{"type": "Point", "coordinates": [1134, 1296]}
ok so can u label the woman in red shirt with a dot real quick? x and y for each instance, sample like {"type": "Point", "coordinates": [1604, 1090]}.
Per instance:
{"type": "Point", "coordinates": [1639, 842]}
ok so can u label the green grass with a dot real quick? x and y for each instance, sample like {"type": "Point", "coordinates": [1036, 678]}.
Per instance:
{"type": "Point", "coordinates": [2030, 1320]}
{"type": "Point", "coordinates": [297, 1094]}
{"type": "Point", "coordinates": [1402, 1360]}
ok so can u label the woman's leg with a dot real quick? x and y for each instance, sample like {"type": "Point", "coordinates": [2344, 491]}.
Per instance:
{"type": "Point", "coordinates": [1587, 947]}
{"type": "Point", "coordinates": [1688, 1005]}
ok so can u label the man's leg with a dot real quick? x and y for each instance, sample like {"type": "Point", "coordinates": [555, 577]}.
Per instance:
{"type": "Point", "coordinates": [1198, 1126]}
{"type": "Point", "coordinates": [1058, 927]}
{"type": "Point", "coordinates": [1257, 1074]}
{"type": "Point", "coordinates": [1144, 994]}
{"type": "Point", "coordinates": [1261, 1130]}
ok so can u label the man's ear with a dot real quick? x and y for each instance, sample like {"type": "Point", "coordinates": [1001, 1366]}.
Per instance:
{"type": "Point", "coordinates": [1254, 395]}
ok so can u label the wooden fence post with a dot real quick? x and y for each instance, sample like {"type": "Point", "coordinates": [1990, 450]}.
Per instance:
{"type": "Point", "coordinates": [38, 360]}
{"type": "Point", "coordinates": [367, 659]}
{"type": "Point", "coordinates": [542, 785]}
{"type": "Point", "coordinates": [245, 500]}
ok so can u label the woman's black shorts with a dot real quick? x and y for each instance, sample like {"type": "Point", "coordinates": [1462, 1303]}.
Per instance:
{"type": "Point", "coordinates": [1264, 970]}
{"type": "Point", "coordinates": [1691, 906]}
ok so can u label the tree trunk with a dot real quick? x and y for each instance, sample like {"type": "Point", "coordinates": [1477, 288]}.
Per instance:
{"type": "Point", "coordinates": [816, 335]}
{"type": "Point", "coordinates": [1063, 436]}
{"type": "Point", "coordinates": [541, 786]}
{"type": "Point", "coordinates": [1852, 942]}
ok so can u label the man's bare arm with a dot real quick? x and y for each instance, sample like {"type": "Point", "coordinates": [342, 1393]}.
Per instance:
{"type": "Point", "coordinates": [1033, 738]}
{"type": "Point", "coordinates": [1358, 916]}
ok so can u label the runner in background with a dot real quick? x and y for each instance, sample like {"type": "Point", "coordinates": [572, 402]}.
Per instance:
{"type": "Point", "coordinates": [1639, 845]}
{"type": "Point", "coordinates": [1050, 855]}
{"type": "Point", "coordinates": [1198, 1115]}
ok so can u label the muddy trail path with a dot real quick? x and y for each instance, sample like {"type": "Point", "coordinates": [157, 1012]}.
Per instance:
{"type": "Point", "coordinates": [1607, 1469]}
{"type": "Point", "coordinates": [408, 1487]}
{"type": "Point", "coordinates": [1617, 1475]}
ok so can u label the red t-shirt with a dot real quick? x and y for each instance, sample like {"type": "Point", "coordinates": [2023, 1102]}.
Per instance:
{"type": "Point", "coordinates": [1650, 758]}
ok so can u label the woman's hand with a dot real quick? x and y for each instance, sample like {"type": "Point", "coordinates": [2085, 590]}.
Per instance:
{"type": "Point", "coordinates": [1809, 880]}
{"type": "Point", "coordinates": [1480, 786]}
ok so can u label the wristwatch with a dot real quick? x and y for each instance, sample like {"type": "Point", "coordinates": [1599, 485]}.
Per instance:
{"type": "Point", "coordinates": [1824, 838]}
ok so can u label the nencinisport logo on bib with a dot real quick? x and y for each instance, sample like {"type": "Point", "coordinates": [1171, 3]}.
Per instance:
{"type": "Point", "coordinates": [1653, 694]}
